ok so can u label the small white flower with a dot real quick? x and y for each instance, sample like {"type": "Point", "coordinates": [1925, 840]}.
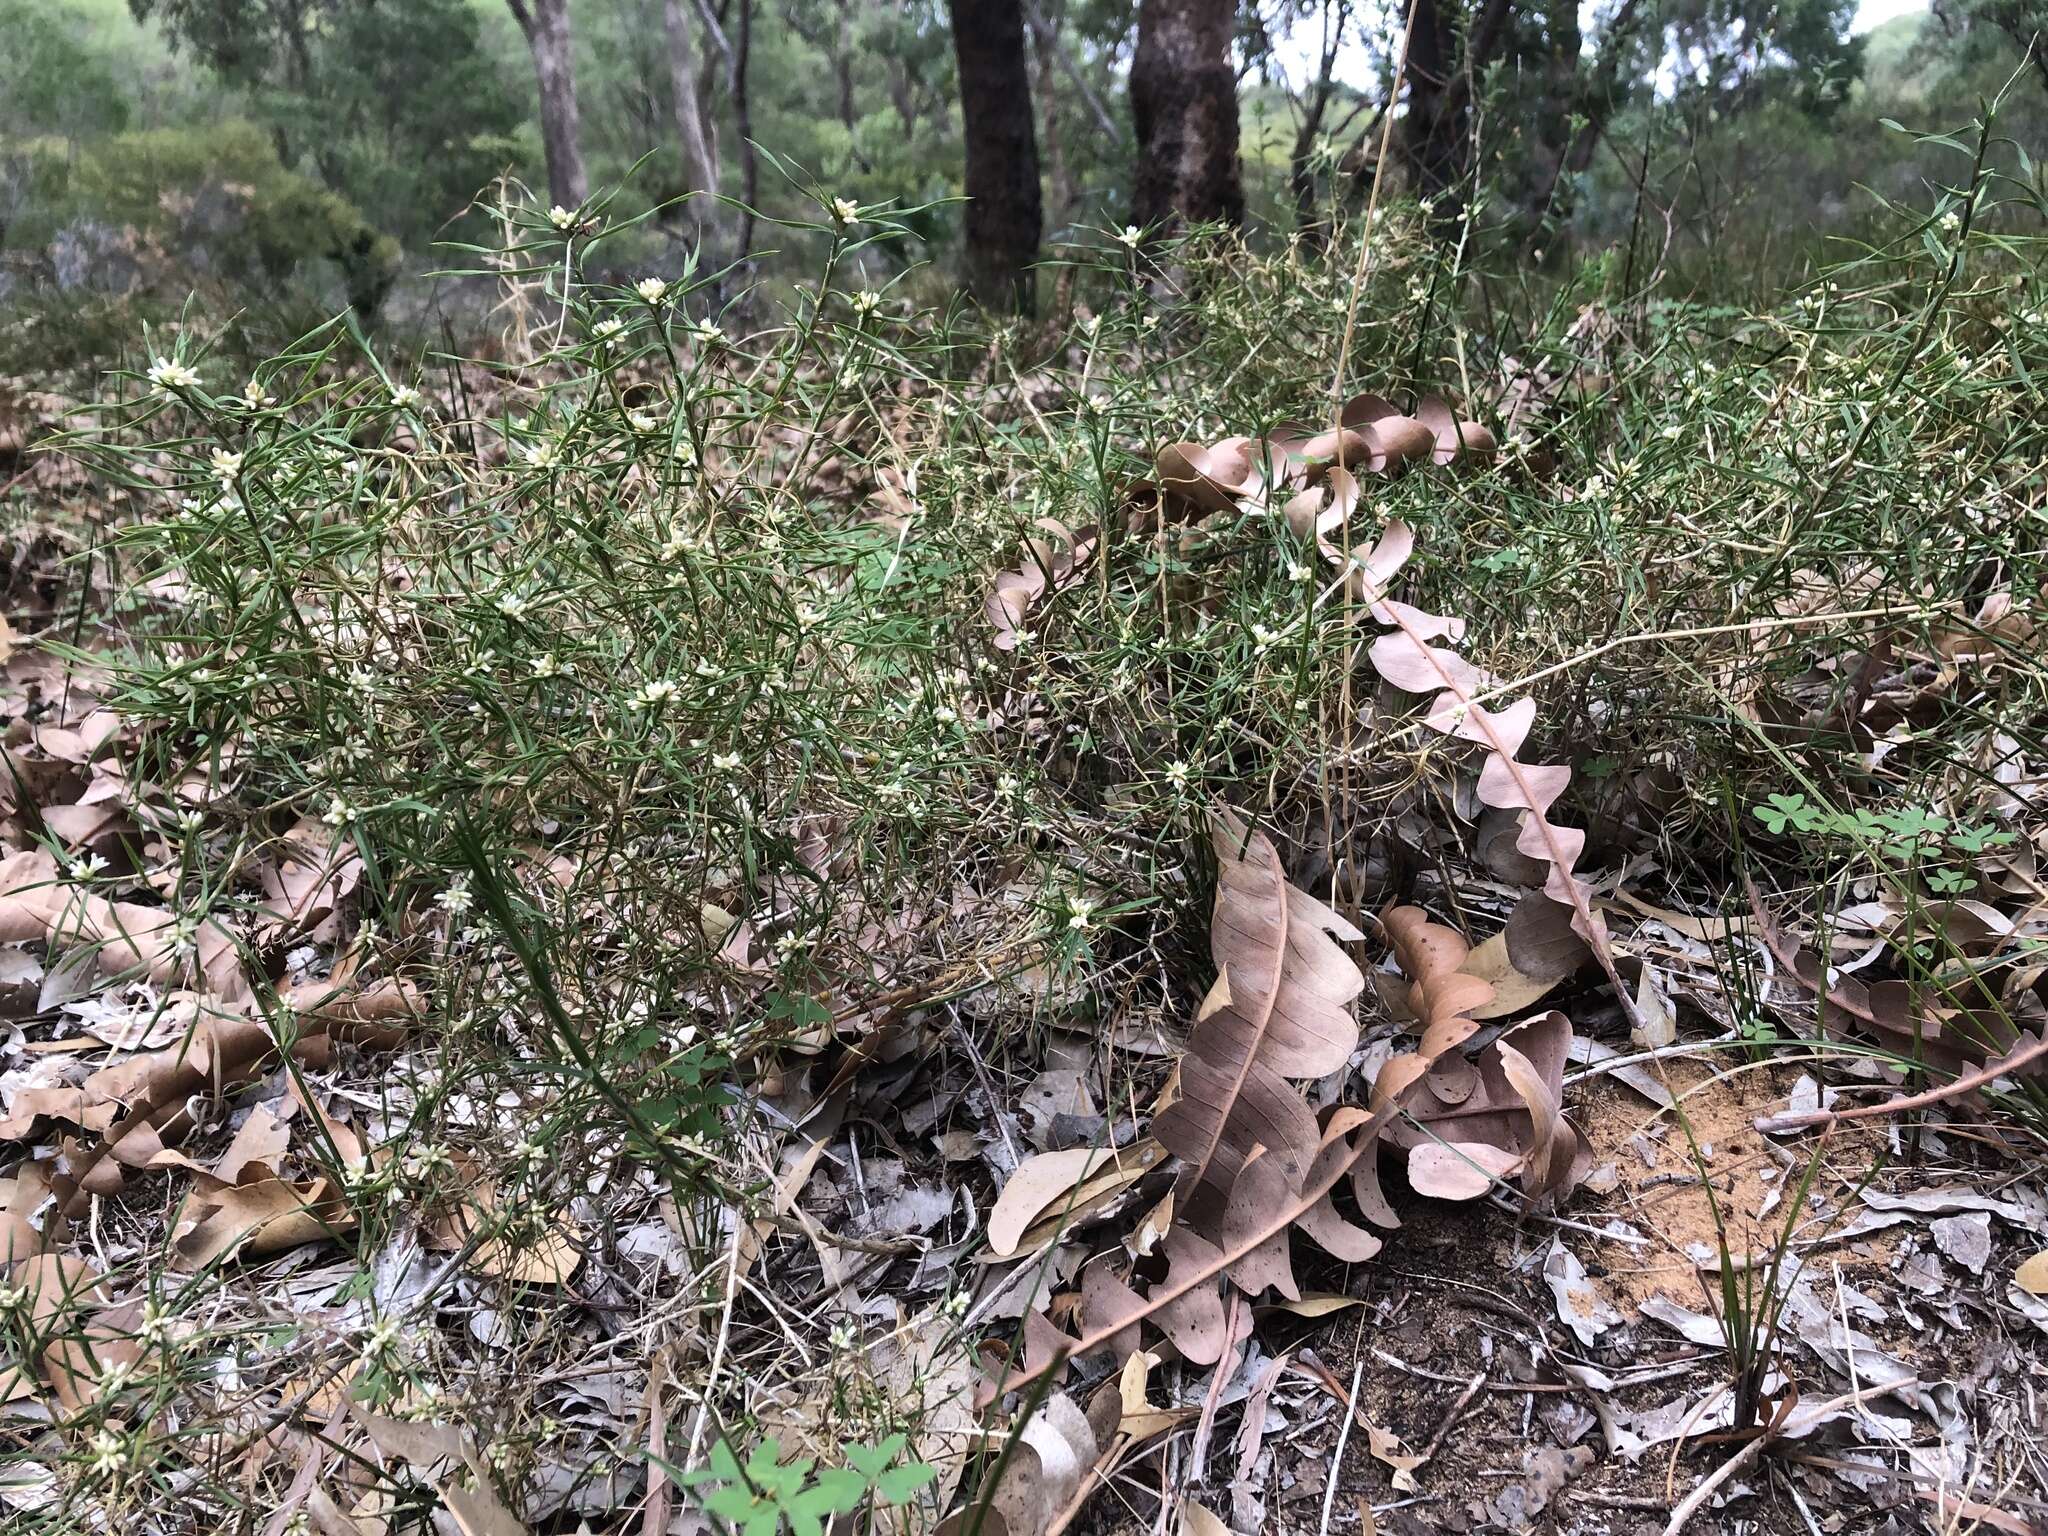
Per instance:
{"type": "Point", "coordinates": [842, 1337]}
{"type": "Point", "coordinates": [946, 714]}
{"type": "Point", "coordinates": [185, 934]}
{"type": "Point", "coordinates": [154, 1330]}
{"type": "Point", "coordinates": [653, 695]}
{"type": "Point", "coordinates": [1131, 236]}
{"type": "Point", "coordinates": [384, 1337]}
{"type": "Point", "coordinates": [512, 605]}
{"type": "Point", "coordinates": [1006, 784]}
{"type": "Point", "coordinates": [339, 813]}
{"type": "Point", "coordinates": [457, 899]}
{"type": "Point", "coordinates": [607, 328]}
{"type": "Point", "coordinates": [845, 211]}
{"type": "Point", "coordinates": [539, 455]}
{"type": "Point", "coordinates": [165, 374]}
{"type": "Point", "coordinates": [704, 668]}
{"type": "Point", "coordinates": [678, 544]}
{"type": "Point", "coordinates": [652, 289]}
{"type": "Point", "coordinates": [1080, 914]}
{"type": "Point", "coordinates": [404, 397]}
{"type": "Point", "coordinates": [725, 762]}
{"type": "Point", "coordinates": [1296, 571]}
{"type": "Point", "coordinates": [226, 465]}
{"type": "Point", "coordinates": [640, 421]}
{"type": "Point", "coordinates": [254, 397]}
{"type": "Point", "coordinates": [109, 1454]}
{"type": "Point", "coordinates": [866, 302]}
{"type": "Point", "coordinates": [561, 217]}
{"type": "Point", "coordinates": [1177, 773]}
{"type": "Point", "coordinates": [546, 666]}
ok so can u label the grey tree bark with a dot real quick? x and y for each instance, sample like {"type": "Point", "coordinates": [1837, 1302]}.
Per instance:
{"type": "Point", "coordinates": [1184, 105]}
{"type": "Point", "coordinates": [1005, 218]}
{"type": "Point", "coordinates": [700, 164]}
{"type": "Point", "coordinates": [546, 25]}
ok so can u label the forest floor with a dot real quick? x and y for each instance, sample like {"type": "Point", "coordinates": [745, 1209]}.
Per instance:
{"type": "Point", "coordinates": [627, 942]}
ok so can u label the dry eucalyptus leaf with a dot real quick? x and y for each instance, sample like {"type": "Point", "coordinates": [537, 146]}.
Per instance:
{"type": "Point", "coordinates": [1037, 1184]}
{"type": "Point", "coordinates": [1580, 1306]}
{"type": "Point", "coordinates": [1458, 1170]}
{"type": "Point", "coordinates": [1280, 1009]}
{"type": "Point", "coordinates": [1514, 991]}
{"type": "Point", "coordinates": [1656, 1023]}
{"type": "Point", "coordinates": [1052, 1200]}
{"type": "Point", "coordinates": [2032, 1275]}
{"type": "Point", "coordinates": [262, 1214]}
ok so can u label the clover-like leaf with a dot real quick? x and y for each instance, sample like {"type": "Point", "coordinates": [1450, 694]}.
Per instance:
{"type": "Point", "coordinates": [899, 1483]}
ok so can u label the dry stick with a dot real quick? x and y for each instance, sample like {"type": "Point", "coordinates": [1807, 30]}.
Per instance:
{"type": "Point", "coordinates": [1233, 1319]}
{"type": "Point", "coordinates": [732, 1270]}
{"type": "Point", "coordinates": [1097, 1476]}
{"type": "Point", "coordinates": [1588, 923]}
{"type": "Point", "coordinates": [1749, 1453]}
{"type": "Point", "coordinates": [1337, 1460]}
{"type": "Point", "coordinates": [1457, 1412]}
{"type": "Point", "coordinates": [1773, 1125]}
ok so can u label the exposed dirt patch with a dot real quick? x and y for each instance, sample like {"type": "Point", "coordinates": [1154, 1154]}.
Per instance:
{"type": "Point", "coordinates": [1679, 1197]}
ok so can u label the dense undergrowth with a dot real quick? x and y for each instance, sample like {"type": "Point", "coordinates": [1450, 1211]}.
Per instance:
{"type": "Point", "coordinates": [647, 666]}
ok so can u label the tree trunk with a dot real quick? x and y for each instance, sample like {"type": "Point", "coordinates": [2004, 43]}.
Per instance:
{"type": "Point", "coordinates": [700, 166]}
{"type": "Point", "coordinates": [1433, 133]}
{"type": "Point", "coordinates": [1300, 177]}
{"type": "Point", "coordinates": [1004, 217]}
{"type": "Point", "coordinates": [736, 53]}
{"type": "Point", "coordinates": [743, 124]}
{"type": "Point", "coordinates": [1589, 101]}
{"type": "Point", "coordinates": [1184, 105]}
{"type": "Point", "coordinates": [546, 25]}
{"type": "Point", "coordinates": [1059, 175]}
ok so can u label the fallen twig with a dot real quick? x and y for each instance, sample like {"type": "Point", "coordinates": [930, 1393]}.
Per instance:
{"type": "Point", "coordinates": [1991, 1071]}
{"type": "Point", "coordinates": [1693, 1501]}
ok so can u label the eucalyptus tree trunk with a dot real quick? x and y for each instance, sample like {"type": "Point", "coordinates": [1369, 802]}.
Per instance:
{"type": "Point", "coordinates": [546, 25]}
{"type": "Point", "coordinates": [700, 163]}
{"type": "Point", "coordinates": [1184, 105]}
{"type": "Point", "coordinates": [1004, 215]}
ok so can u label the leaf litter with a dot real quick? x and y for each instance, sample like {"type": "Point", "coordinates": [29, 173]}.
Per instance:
{"type": "Point", "coordinates": [1149, 1273]}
